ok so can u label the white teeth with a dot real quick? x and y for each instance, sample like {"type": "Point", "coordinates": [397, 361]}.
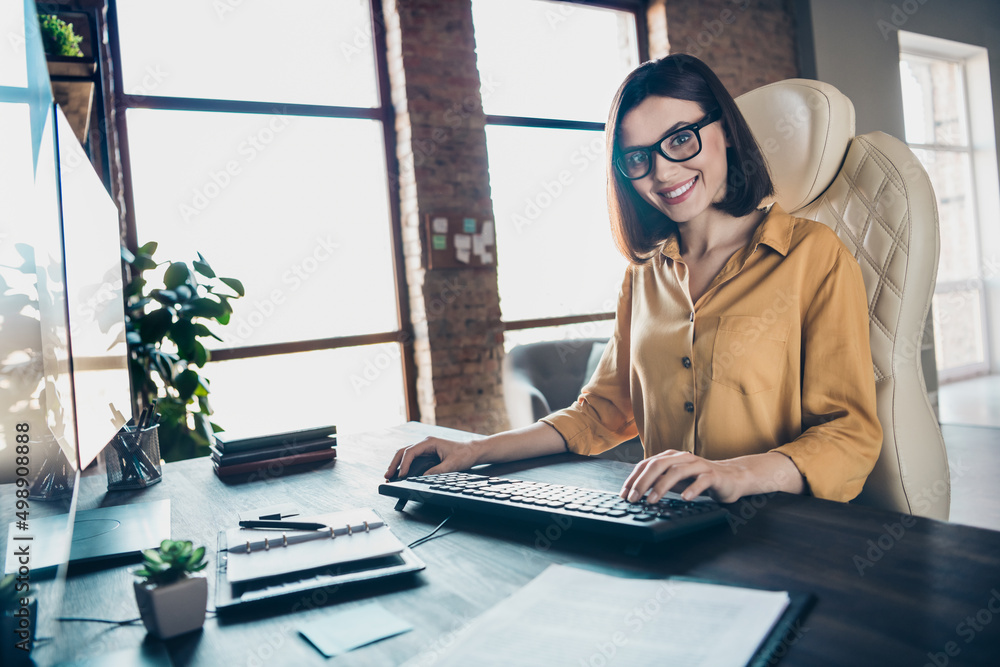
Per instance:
{"type": "Point", "coordinates": [673, 194]}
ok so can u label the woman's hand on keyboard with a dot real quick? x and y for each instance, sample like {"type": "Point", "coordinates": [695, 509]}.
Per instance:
{"type": "Point", "coordinates": [727, 480]}
{"type": "Point", "coordinates": [435, 455]}
{"type": "Point", "coordinates": [539, 439]}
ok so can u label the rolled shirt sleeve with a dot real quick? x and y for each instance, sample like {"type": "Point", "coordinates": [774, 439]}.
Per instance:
{"type": "Point", "coordinates": [841, 436]}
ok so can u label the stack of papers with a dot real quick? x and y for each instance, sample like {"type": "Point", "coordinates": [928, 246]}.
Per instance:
{"type": "Point", "coordinates": [571, 616]}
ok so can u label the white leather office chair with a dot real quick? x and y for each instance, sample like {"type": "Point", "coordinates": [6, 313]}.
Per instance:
{"type": "Point", "coordinates": [876, 195]}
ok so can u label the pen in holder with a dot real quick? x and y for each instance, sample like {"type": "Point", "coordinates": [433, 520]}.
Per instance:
{"type": "Point", "coordinates": [133, 459]}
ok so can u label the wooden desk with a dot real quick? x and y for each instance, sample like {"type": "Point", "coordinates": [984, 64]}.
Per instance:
{"type": "Point", "coordinates": [889, 589]}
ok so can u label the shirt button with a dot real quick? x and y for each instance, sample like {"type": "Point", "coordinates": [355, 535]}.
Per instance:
{"type": "Point", "coordinates": [689, 406]}
{"type": "Point", "coordinates": [686, 361]}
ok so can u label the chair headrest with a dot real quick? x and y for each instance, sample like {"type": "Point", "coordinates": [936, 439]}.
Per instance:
{"type": "Point", "coordinates": [804, 128]}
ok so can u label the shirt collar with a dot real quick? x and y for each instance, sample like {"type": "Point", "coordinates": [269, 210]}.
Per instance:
{"type": "Point", "coordinates": [775, 230]}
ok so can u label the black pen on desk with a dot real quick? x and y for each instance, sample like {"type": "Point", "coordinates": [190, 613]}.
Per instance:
{"type": "Point", "coordinates": [287, 525]}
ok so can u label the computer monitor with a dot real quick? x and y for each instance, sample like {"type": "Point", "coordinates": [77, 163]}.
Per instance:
{"type": "Point", "coordinates": [63, 359]}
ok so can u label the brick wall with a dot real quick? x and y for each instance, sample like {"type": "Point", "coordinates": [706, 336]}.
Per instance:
{"type": "Point", "coordinates": [441, 148]}
{"type": "Point", "coordinates": [749, 43]}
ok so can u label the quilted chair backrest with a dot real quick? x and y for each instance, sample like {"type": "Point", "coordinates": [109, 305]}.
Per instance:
{"type": "Point", "coordinates": [876, 195]}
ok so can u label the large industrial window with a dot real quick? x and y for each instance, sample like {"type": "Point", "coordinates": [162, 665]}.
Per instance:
{"type": "Point", "coordinates": [256, 134]}
{"type": "Point", "coordinates": [549, 71]}
{"type": "Point", "coordinates": [944, 107]}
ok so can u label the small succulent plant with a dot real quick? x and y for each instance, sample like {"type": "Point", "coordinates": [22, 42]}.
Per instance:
{"type": "Point", "coordinates": [173, 561]}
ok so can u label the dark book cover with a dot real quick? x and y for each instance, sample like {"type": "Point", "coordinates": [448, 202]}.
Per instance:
{"type": "Point", "coordinates": [274, 466]}
{"type": "Point", "coordinates": [227, 458]}
{"type": "Point", "coordinates": [228, 443]}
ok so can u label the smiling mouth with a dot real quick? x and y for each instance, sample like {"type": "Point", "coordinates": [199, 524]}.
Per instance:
{"type": "Point", "coordinates": [678, 194]}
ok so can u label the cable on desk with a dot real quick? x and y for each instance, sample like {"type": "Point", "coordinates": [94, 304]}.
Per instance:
{"type": "Point", "coordinates": [66, 619]}
{"type": "Point", "coordinates": [429, 536]}
{"type": "Point", "coordinates": [73, 619]}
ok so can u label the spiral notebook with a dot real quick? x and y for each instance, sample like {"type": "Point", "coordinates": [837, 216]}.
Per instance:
{"type": "Point", "coordinates": [353, 535]}
{"type": "Point", "coordinates": [256, 564]}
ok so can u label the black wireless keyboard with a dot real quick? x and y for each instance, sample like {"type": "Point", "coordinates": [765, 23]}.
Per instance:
{"type": "Point", "coordinates": [567, 506]}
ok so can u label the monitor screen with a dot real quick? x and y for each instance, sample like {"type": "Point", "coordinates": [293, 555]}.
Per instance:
{"type": "Point", "coordinates": [66, 367]}
{"type": "Point", "coordinates": [92, 264]}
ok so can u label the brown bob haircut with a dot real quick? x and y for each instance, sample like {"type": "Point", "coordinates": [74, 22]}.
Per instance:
{"type": "Point", "coordinates": [638, 228]}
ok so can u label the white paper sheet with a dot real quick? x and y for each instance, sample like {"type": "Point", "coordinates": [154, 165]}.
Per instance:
{"type": "Point", "coordinates": [570, 616]}
{"type": "Point", "coordinates": [488, 233]}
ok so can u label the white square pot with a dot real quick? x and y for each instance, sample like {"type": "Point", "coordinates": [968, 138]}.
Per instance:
{"type": "Point", "coordinates": [171, 610]}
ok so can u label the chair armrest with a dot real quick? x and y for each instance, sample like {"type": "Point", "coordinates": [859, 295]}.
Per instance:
{"type": "Point", "coordinates": [525, 403]}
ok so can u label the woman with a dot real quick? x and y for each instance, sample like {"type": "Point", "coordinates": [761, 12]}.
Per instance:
{"type": "Point", "coordinates": [740, 354]}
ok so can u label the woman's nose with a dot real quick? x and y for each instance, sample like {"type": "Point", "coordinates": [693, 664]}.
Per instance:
{"type": "Point", "coordinates": [663, 169]}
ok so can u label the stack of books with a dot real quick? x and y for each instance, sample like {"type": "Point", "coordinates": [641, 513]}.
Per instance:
{"type": "Point", "coordinates": [272, 454]}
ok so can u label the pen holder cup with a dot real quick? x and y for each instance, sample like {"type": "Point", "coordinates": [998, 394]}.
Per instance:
{"type": "Point", "coordinates": [133, 459]}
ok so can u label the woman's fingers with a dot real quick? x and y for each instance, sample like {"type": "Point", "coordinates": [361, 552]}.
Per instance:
{"type": "Point", "coordinates": [403, 458]}
{"type": "Point", "coordinates": [701, 483]}
{"type": "Point", "coordinates": [678, 471]}
{"type": "Point", "coordinates": [636, 484]}
{"type": "Point", "coordinates": [452, 456]}
{"type": "Point", "coordinates": [660, 473]}
{"type": "Point", "coordinates": [630, 480]}
{"type": "Point", "coordinates": [394, 463]}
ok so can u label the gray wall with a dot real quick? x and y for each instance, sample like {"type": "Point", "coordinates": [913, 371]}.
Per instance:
{"type": "Point", "coordinates": [853, 44]}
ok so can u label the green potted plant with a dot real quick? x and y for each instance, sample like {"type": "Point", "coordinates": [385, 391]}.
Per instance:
{"type": "Point", "coordinates": [58, 37]}
{"type": "Point", "coordinates": [171, 601]}
{"type": "Point", "coordinates": [18, 616]}
{"type": "Point", "coordinates": [72, 72]}
{"type": "Point", "coordinates": [164, 330]}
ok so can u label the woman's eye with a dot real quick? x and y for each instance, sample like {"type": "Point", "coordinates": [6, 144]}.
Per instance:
{"type": "Point", "coordinates": [636, 159]}
{"type": "Point", "coordinates": [680, 139]}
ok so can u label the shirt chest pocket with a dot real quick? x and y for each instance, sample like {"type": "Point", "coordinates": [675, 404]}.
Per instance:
{"type": "Point", "coordinates": [749, 353]}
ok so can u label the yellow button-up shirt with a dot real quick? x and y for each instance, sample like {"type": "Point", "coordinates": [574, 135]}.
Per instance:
{"type": "Point", "coordinates": [773, 357]}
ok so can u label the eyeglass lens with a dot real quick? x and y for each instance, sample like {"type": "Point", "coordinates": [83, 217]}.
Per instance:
{"type": "Point", "coordinates": [679, 146]}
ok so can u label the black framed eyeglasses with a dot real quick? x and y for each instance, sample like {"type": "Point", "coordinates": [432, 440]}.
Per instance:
{"type": "Point", "coordinates": [680, 145]}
